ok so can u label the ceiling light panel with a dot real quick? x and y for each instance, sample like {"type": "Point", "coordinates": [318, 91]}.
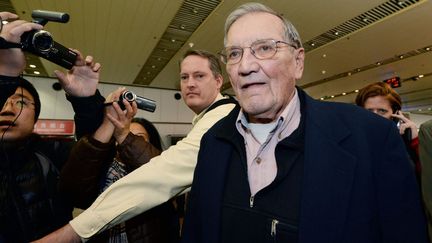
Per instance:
{"type": "Point", "coordinates": [380, 12]}
{"type": "Point", "coordinates": [190, 15]}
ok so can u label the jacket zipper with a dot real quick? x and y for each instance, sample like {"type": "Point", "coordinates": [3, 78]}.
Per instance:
{"type": "Point", "coordinates": [251, 201]}
{"type": "Point", "coordinates": [274, 224]}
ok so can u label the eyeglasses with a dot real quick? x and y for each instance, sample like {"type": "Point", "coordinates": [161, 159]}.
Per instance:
{"type": "Point", "coordinates": [261, 49]}
{"type": "Point", "coordinates": [19, 103]}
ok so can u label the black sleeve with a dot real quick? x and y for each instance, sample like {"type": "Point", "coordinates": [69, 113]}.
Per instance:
{"type": "Point", "coordinates": [89, 112]}
{"type": "Point", "coordinates": [8, 85]}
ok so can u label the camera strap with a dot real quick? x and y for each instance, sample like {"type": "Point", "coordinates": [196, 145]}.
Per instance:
{"type": "Point", "coordinates": [4, 44]}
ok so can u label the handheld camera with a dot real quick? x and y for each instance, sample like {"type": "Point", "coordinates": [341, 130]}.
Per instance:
{"type": "Point", "coordinates": [41, 42]}
{"type": "Point", "coordinates": [142, 103]}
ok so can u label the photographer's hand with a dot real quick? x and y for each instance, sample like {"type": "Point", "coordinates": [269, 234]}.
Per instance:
{"type": "Point", "coordinates": [121, 119]}
{"type": "Point", "coordinates": [105, 131]}
{"type": "Point", "coordinates": [82, 79]}
{"type": "Point", "coordinates": [12, 61]}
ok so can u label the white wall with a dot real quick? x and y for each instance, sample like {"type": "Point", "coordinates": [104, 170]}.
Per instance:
{"type": "Point", "coordinates": [418, 119]}
{"type": "Point", "coordinates": [171, 117]}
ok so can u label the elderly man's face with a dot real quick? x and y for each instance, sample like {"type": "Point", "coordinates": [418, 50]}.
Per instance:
{"type": "Point", "coordinates": [20, 103]}
{"type": "Point", "coordinates": [263, 87]}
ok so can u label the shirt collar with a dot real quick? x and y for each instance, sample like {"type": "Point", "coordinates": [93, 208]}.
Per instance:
{"type": "Point", "coordinates": [289, 117]}
{"type": "Point", "coordinates": [200, 115]}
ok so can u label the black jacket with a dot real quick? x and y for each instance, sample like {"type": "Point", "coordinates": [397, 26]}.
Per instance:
{"type": "Point", "coordinates": [31, 204]}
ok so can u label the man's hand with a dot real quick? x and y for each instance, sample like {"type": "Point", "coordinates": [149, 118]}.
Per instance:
{"type": "Point", "coordinates": [82, 79]}
{"type": "Point", "coordinates": [12, 61]}
{"type": "Point", "coordinates": [65, 234]}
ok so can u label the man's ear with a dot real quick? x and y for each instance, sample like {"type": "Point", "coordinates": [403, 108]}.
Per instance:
{"type": "Point", "coordinates": [299, 61]}
{"type": "Point", "coordinates": [219, 81]}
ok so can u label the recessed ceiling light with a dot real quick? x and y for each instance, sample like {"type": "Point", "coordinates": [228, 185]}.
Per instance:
{"type": "Point", "coordinates": [421, 76]}
{"type": "Point", "coordinates": [36, 72]}
{"type": "Point", "coordinates": [148, 72]}
{"type": "Point", "coordinates": [323, 71]}
{"type": "Point", "coordinates": [336, 33]}
{"type": "Point", "coordinates": [153, 66]}
{"type": "Point", "coordinates": [195, 10]}
{"type": "Point", "coordinates": [32, 66]}
{"type": "Point", "coordinates": [401, 56]}
{"type": "Point", "coordinates": [349, 73]}
{"type": "Point", "coordinates": [159, 59]}
{"type": "Point", "coordinates": [378, 63]}
{"type": "Point", "coordinates": [312, 44]}
{"type": "Point", "coordinates": [332, 96]}
{"type": "Point", "coordinates": [173, 40]}
{"type": "Point", "coordinates": [182, 26]}
{"type": "Point", "coordinates": [322, 98]}
{"type": "Point", "coordinates": [427, 48]}
{"type": "Point", "coordinates": [358, 69]}
{"type": "Point", "coordinates": [191, 44]}
{"type": "Point", "coordinates": [324, 55]}
{"type": "Point", "coordinates": [356, 90]}
{"type": "Point", "coordinates": [343, 93]}
{"type": "Point", "coordinates": [365, 19]}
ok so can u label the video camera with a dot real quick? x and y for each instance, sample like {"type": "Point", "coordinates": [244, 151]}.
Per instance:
{"type": "Point", "coordinates": [41, 42]}
{"type": "Point", "coordinates": [142, 103]}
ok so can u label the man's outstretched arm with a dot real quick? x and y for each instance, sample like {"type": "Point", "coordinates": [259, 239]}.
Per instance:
{"type": "Point", "coordinates": [66, 234]}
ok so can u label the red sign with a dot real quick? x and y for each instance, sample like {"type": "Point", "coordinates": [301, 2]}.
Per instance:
{"type": "Point", "coordinates": [393, 82]}
{"type": "Point", "coordinates": [54, 127]}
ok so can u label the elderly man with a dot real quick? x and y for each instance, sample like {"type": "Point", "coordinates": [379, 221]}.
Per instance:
{"type": "Point", "coordinates": [169, 174]}
{"type": "Point", "coordinates": [287, 168]}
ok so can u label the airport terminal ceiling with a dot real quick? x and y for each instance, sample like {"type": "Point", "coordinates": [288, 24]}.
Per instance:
{"type": "Point", "coordinates": [348, 43]}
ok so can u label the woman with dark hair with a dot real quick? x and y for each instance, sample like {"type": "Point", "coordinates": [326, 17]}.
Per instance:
{"type": "Point", "coordinates": [381, 99]}
{"type": "Point", "coordinates": [152, 136]}
{"type": "Point", "coordinates": [119, 146]}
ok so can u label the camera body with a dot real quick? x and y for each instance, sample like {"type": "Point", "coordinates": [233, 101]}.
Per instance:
{"type": "Point", "coordinates": [41, 42]}
{"type": "Point", "coordinates": [142, 103]}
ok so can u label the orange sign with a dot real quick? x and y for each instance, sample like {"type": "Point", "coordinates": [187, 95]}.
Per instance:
{"type": "Point", "coordinates": [54, 127]}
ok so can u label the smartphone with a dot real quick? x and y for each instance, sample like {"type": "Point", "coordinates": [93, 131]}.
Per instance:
{"type": "Point", "coordinates": [407, 133]}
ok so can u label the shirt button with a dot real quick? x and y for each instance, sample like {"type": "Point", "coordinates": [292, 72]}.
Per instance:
{"type": "Point", "coordinates": [258, 160]}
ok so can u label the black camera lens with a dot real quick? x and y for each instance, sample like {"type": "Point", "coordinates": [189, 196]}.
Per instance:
{"type": "Point", "coordinates": [42, 41]}
{"type": "Point", "coordinates": [129, 96]}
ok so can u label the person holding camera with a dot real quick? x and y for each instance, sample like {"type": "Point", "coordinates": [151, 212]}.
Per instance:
{"type": "Point", "coordinates": [119, 146]}
{"type": "Point", "coordinates": [30, 203]}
